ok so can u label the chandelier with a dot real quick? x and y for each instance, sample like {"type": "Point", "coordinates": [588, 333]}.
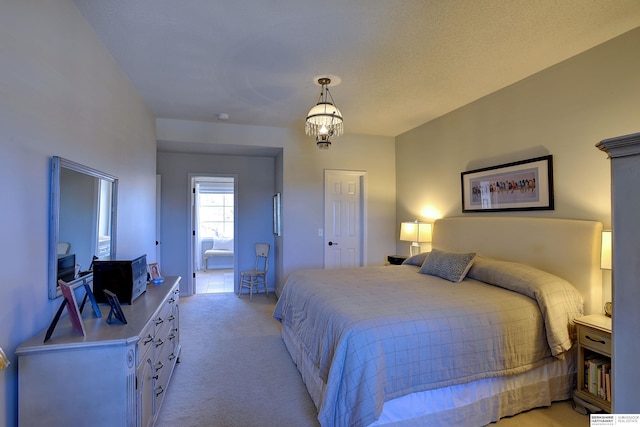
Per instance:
{"type": "Point", "coordinates": [324, 119]}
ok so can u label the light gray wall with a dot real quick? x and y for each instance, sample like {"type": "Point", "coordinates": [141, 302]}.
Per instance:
{"type": "Point", "coordinates": [300, 179]}
{"type": "Point", "coordinates": [61, 93]}
{"type": "Point", "coordinates": [564, 111]}
{"type": "Point", "coordinates": [255, 185]}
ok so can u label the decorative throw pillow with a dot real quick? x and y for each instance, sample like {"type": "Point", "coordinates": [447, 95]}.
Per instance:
{"type": "Point", "coordinates": [416, 259]}
{"type": "Point", "coordinates": [452, 266]}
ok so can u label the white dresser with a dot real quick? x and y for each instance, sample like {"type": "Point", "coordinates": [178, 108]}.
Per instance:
{"type": "Point", "coordinates": [116, 375]}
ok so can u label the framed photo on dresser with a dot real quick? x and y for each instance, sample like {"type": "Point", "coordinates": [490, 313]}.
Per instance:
{"type": "Point", "coordinates": [72, 306]}
{"type": "Point", "coordinates": [154, 270]}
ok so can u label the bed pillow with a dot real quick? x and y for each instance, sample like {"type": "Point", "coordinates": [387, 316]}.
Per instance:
{"type": "Point", "coordinates": [416, 259]}
{"type": "Point", "coordinates": [452, 266]}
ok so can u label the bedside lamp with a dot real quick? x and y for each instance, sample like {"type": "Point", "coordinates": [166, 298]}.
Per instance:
{"type": "Point", "coordinates": [605, 264]}
{"type": "Point", "coordinates": [605, 254]}
{"type": "Point", "coordinates": [415, 232]}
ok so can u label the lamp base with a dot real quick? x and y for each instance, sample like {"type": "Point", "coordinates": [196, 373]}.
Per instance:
{"type": "Point", "coordinates": [414, 248]}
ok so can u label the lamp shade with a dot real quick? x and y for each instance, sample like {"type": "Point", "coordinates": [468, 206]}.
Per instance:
{"type": "Point", "coordinates": [419, 232]}
{"type": "Point", "coordinates": [605, 254]}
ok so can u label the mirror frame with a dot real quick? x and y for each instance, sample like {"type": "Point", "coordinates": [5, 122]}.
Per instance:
{"type": "Point", "coordinates": [54, 218]}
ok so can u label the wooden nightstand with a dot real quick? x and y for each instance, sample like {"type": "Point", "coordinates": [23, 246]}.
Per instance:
{"type": "Point", "coordinates": [594, 361]}
{"type": "Point", "coordinates": [396, 259]}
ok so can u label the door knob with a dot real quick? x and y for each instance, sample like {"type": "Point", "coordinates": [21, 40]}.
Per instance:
{"type": "Point", "coordinates": [332, 243]}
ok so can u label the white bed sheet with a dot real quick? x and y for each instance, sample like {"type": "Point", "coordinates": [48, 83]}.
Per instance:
{"type": "Point", "coordinates": [474, 404]}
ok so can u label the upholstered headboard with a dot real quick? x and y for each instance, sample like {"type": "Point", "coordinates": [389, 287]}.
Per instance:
{"type": "Point", "coordinates": [565, 247]}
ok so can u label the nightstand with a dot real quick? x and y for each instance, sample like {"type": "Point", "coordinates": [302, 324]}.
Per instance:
{"type": "Point", "coordinates": [594, 362]}
{"type": "Point", "coordinates": [396, 259]}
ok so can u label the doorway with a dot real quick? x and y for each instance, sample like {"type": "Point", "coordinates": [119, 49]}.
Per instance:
{"type": "Point", "coordinates": [213, 229]}
{"type": "Point", "coordinates": [344, 219]}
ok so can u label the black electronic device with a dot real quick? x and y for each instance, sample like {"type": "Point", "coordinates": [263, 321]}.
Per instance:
{"type": "Point", "coordinates": [126, 278]}
{"type": "Point", "coordinates": [66, 267]}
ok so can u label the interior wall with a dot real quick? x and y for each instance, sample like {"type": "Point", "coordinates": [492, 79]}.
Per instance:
{"type": "Point", "coordinates": [255, 188]}
{"type": "Point", "coordinates": [300, 179]}
{"type": "Point", "coordinates": [61, 93]}
{"type": "Point", "coordinates": [564, 111]}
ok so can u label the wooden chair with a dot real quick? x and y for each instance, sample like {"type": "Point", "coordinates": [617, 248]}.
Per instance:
{"type": "Point", "coordinates": [256, 277]}
{"type": "Point", "coordinates": [63, 248]}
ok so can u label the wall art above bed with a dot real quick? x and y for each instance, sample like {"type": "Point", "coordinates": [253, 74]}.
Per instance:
{"type": "Point", "coordinates": [525, 185]}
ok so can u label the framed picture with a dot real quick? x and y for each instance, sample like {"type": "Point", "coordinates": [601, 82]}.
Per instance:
{"type": "Point", "coordinates": [276, 215]}
{"type": "Point", "coordinates": [154, 270]}
{"type": "Point", "coordinates": [72, 307]}
{"type": "Point", "coordinates": [526, 185]}
{"type": "Point", "coordinates": [116, 309]}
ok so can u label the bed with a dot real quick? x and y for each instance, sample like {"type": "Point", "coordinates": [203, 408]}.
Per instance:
{"type": "Point", "coordinates": [387, 345]}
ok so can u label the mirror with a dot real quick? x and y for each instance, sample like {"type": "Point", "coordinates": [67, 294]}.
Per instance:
{"type": "Point", "coordinates": [82, 221]}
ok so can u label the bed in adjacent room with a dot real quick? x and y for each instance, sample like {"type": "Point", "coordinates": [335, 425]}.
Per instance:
{"type": "Point", "coordinates": [478, 329]}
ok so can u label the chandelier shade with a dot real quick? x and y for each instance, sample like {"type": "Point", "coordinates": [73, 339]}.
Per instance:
{"type": "Point", "coordinates": [324, 119]}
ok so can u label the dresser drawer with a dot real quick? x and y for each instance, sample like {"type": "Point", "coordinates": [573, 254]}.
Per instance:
{"type": "Point", "coordinates": [595, 340]}
{"type": "Point", "coordinates": [144, 344]}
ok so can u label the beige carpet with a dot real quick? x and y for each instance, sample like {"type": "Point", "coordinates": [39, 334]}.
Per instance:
{"type": "Point", "coordinates": [235, 371]}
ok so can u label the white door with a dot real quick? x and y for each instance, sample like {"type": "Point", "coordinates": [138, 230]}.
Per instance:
{"type": "Point", "coordinates": [343, 218]}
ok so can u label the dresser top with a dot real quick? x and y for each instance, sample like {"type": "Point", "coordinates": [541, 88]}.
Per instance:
{"type": "Point", "coordinates": [98, 331]}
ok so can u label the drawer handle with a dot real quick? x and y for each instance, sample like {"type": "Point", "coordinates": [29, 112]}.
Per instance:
{"type": "Point", "coordinates": [171, 301]}
{"type": "Point", "coordinates": [159, 321]}
{"type": "Point", "coordinates": [594, 340]}
{"type": "Point", "coordinates": [159, 342]}
{"type": "Point", "coordinates": [148, 340]}
{"type": "Point", "coordinates": [158, 366]}
{"type": "Point", "coordinates": [159, 391]}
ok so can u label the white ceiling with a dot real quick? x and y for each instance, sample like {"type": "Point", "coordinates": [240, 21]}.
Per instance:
{"type": "Point", "coordinates": [401, 62]}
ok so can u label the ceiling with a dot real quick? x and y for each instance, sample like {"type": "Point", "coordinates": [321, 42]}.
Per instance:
{"type": "Point", "coordinates": [400, 63]}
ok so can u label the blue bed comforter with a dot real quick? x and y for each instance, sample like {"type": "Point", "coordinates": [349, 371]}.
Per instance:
{"type": "Point", "coordinates": [377, 333]}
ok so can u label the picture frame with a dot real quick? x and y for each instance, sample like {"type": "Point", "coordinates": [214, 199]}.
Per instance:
{"type": "Point", "coordinates": [525, 185]}
{"type": "Point", "coordinates": [277, 230]}
{"type": "Point", "coordinates": [116, 309]}
{"type": "Point", "coordinates": [72, 306]}
{"type": "Point", "coordinates": [154, 270]}
{"type": "Point", "coordinates": [75, 313]}
{"type": "Point", "coordinates": [92, 299]}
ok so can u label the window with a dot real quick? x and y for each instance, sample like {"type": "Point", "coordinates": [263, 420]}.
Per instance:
{"type": "Point", "coordinates": [215, 214]}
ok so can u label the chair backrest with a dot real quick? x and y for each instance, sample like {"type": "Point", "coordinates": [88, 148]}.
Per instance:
{"type": "Point", "coordinates": [63, 248]}
{"type": "Point", "coordinates": [262, 257]}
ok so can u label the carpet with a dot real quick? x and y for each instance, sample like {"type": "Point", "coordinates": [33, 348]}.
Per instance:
{"type": "Point", "coordinates": [234, 369]}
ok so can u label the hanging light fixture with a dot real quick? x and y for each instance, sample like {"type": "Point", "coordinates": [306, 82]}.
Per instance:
{"type": "Point", "coordinates": [324, 119]}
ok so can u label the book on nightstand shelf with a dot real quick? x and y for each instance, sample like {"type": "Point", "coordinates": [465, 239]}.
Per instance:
{"type": "Point", "coordinates": [597, 376]}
